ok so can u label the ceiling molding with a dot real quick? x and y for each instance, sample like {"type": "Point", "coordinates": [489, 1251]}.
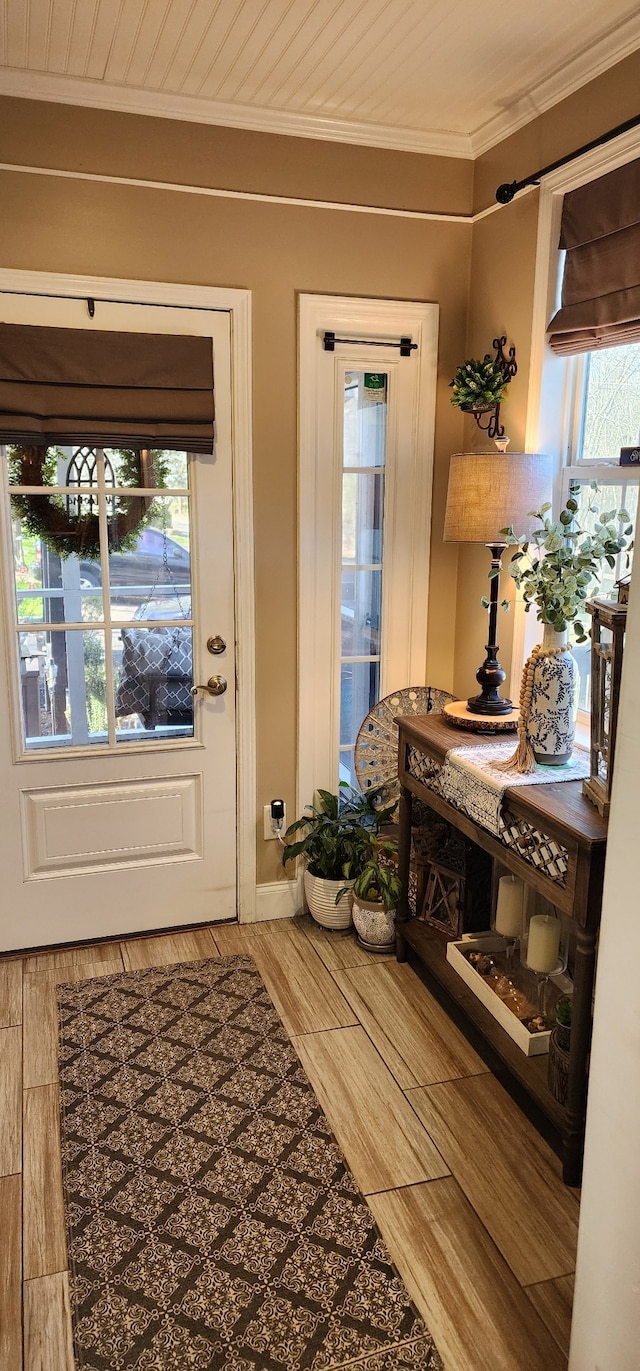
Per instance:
{"type": "Point", "coordinates": [68, 90]}
{"type": "Point", "coordinates": [562, 83]}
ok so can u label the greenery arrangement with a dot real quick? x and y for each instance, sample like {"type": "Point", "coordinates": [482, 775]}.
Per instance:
{"type": "Point", "coordinates": [48, 517]}
{"type": "Point", "coordinates": [378, 881]}
{"type": "Point", "coordinates": [556, 566]}
{"type": "Point", "coordinates": [479, 385]}
{"type": "Point", "coordinates": [336, 833]}
{"type": "Point", "coordinates": [563, 1011]}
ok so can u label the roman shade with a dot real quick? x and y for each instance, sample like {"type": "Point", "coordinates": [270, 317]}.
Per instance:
{"type": "Point", "coordinates": [601, 281]}
{"type": "Point", "coordinates": [62, 385]}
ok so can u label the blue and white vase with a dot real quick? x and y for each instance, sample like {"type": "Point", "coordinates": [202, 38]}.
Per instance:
{"type": "Point", "coordinates": [551, 724]}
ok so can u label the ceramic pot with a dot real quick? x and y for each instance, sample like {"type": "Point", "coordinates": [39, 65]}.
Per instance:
{"type": "Point", "coordinates": [554, 698]}
{"type": "Point", "coordinates": [321, 899]}
{"type": "Point", "coordinates": [375, 925]}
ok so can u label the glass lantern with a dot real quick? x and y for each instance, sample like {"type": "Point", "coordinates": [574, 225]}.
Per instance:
{"type": "Point", "coordinates": [544, 946]}
{"type": "Point", "coordinates": [508, 915]}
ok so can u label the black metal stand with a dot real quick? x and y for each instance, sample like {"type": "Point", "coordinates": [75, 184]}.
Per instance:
{"type": "Point", "coordinates": [490, 675]}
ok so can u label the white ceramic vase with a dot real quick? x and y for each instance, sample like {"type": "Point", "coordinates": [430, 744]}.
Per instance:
{"type": "Point", "coordinates": [321, 899]}
{"type": "Point", "coordinates": [375, 925]}
{"type": "Point", "coordinates": [554, 699]}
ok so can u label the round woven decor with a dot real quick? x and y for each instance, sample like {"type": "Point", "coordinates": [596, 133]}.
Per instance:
{"type": "Point", "coordinates": [376, 752]}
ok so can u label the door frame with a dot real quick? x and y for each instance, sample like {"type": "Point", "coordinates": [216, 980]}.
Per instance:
{"type": "Point", "coordinates": [319, 510]}
{"type": "Point", "coordinates": [237, 303]}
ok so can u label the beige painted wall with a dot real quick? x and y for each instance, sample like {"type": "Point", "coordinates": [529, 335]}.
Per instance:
{"type": "Point", "coordinates": [274, 250]}
{"type": "Point", "coordinates": [501, 302]}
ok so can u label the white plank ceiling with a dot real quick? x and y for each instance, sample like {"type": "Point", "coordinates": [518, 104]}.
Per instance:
{"type": "Point", "coordinates": [449, 76]}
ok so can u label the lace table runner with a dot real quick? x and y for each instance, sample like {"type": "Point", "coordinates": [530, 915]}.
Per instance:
{"type": "Point", "coordinates": [470, 781]}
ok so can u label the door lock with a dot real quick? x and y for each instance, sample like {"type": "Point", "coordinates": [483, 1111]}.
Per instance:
{"type": "Point", "coordinates": [216, 645]}
{"type": "Point", "coordinates": [216, 685]}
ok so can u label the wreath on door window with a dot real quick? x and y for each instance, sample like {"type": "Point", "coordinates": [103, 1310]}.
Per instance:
{"type": "Point", "coordinates": [68, 532]}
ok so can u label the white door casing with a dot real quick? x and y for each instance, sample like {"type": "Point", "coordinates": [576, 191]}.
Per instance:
{"type": "Point", "coordinates": [407, 508]}
{"type": "Point", "coordinates": [97, 845]}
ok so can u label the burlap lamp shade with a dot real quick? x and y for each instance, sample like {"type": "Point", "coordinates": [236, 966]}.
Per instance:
{"type": "Point", "coordinates": [489, 491]}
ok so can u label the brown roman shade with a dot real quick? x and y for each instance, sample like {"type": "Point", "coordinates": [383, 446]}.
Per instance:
{"type": "Point", "coordinates": [63, 385]}
{"type": "Point", "coordinates": [601, 282]}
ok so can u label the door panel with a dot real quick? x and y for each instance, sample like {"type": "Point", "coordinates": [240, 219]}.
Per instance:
{"type": "Point", "coordinates": [119, 788]}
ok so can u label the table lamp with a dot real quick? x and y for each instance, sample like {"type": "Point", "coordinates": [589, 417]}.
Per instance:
{"type": "Point", "coordinates": [487, 492]}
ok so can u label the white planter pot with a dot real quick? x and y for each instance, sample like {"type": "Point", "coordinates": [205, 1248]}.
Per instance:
{"type": "Point", "coordinates": [554, 698]}
{"type": "Point", "coordinates": [321, 899]}
{"type": "Point", "coordinates": [375, 925]}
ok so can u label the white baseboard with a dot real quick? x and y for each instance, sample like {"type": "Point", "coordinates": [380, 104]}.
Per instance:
{"type": "Point", "coordinates": [276, 900]}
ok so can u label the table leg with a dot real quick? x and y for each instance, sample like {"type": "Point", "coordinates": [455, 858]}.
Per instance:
{"type": "Point", "coordinates": [583, 979]}
{"type": "Point", "coordinates": [404, 857]}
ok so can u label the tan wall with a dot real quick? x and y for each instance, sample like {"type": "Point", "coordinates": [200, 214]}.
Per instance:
{"type": "Point", "coordinates": [55, 224]}
{"type": "Point", "coordinates": [501, 302]}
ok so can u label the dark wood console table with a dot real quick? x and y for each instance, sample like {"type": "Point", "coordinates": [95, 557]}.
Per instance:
{"type": "Point", "coordinates": [554, 840]}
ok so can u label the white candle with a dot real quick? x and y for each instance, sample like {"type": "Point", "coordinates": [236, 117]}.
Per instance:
{"type": "Point", "coordinates": [508, 920]}
{"type": "Point", "coordinates": [544, 943]}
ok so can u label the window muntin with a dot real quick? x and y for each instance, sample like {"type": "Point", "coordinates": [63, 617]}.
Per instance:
{"type": "Point", "coordinates": [72, 687]}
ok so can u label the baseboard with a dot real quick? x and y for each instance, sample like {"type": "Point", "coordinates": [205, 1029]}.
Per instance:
{"type": "Point", "coordinates": [276, 900]}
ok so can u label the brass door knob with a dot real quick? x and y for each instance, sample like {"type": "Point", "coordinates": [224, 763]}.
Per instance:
{"type": "Point", "coordinates": [216, 685]}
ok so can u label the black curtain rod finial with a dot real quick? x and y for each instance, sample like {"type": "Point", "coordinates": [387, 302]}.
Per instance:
{"type": "Point", "coordinates": [506, 192]}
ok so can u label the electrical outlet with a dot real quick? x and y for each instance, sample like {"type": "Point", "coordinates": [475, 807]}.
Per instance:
{"type": "Point", "coordinates": [270, 830]}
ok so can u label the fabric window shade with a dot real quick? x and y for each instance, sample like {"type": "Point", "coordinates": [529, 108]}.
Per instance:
{"type": "Point", "coordinates": [600, 233]}
{"type": "Point", "coordinates": [60, 385]}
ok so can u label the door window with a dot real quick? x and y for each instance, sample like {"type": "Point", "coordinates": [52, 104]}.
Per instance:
{"type": "Point", "coordinates": [102, 595]}
{"type": "Point", "coordinates": [361, 628]}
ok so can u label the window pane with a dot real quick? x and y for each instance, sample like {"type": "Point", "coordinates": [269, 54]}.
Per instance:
{"type": "Point", "coordinates": [359, 691]}
{"type": "Point", "coordinates": [63, 688]}
{"type": "Point", "coordinates": [147, 468]}
{"type": "Point", "coordinates": [151, 578]}
{"type": "Point", "coordinates": [347, 769]}
{"type": "Point", "coordinates": [612, 405]}
{"type": "Point", "coordinates": [47, 468]}
{"type": "Point", "coordinates": [70, 589]}
{"type": "Point", "coordinates": [361, 602]}
{"type": "Point", "coordinates": [153, 671]}
{"type": "Point", "coordinates": [365, 418]}
{"type": "Point", "coordinates": [362, 511]}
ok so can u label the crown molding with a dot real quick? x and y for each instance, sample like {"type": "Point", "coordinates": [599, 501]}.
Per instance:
{"type": "Point", "coordinates": [564, 81]}
{"type": "Point", "coordinates": [68, 90]}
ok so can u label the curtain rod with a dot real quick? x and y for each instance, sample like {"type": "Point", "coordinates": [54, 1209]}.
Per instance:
{"type": "Point", "coordinates": [506, 192]}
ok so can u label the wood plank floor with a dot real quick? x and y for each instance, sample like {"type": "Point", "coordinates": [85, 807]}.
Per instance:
{"type": "Point", "coordinates": [467, 1195]}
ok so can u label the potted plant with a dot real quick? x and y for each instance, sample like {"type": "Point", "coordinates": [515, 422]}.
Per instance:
{"type": "Point", "coordinates": [334, 845]}
{"type": "Point", "coordinates": [563, 1021]}
{"type": "Point", "coordinates": [555, 569]}
{"type": "Point", "coordinates": [479, 385]}
{"type": "Point", "coordinates": [376, 891]}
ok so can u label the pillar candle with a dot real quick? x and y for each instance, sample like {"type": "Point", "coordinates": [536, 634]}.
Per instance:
{"type": "Point", "coordinates": [508, 920]}
{"type": "Point", "coordinates": [544, 943]}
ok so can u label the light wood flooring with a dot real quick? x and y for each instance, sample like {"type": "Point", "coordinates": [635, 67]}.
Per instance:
{"type": "Point", "coordinates": [468, 1196]}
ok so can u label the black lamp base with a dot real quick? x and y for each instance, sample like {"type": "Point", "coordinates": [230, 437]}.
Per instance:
{"type": "Point", "coordinates": [489, 704]}
{"type": "Point", "coordinates": [490, 675]}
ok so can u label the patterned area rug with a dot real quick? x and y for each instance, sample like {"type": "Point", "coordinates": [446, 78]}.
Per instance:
{"type": "Point", "coordinates": [212, 1222]}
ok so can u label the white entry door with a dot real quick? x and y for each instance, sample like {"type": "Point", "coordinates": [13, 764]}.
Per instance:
{"type": "Point", "coordinates": [118, 788]}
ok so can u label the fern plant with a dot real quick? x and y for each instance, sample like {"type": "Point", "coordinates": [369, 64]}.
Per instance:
{"type": "Point", "coordinates": [479, 384]}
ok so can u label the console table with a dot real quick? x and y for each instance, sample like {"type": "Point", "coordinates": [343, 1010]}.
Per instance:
{"type": "Point", "coordinates": [554, 840]}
